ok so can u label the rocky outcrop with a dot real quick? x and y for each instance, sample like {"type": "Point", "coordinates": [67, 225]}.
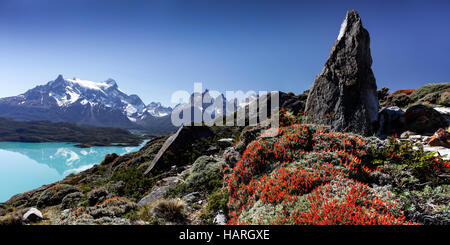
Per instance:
{"type": "Point", "coordinates": [180, 141]}
{"type": "Point", "coordinates": [344, 94]}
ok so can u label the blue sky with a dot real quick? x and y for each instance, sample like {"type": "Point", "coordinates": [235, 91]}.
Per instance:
{"type": "Point", "coordinates": [152, 48]}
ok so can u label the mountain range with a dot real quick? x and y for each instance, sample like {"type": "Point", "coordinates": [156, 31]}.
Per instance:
{"type": "Point", "coordinates": [100, 104]}
{"type": "Point", "coordinates": [103, 104]}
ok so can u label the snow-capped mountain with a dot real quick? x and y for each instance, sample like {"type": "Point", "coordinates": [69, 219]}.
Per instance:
{"type": "Point", "coordinates": [82, 102]}
{"type": "Point", "coordinates": [157, 110]}
{"type": "Point", "coordinates": [212, 104]}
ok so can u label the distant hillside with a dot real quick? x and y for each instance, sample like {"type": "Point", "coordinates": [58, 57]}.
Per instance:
{"type": "Point", "coordinates": [45, 131]}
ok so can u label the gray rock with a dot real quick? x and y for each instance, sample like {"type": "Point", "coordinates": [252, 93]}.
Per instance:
{"type": "Point", "coordinates": [157, 193]}
{"type": "Point", "coordinates": [32, 215]}
{"type": "Point", "coordinates": [159, 190]}
{"type": "Point", "coordinates": [388, 119]}
{"type": "Point", "coordinates": [220, 218]}
{"type": "Point", "coordinates": [344, 94]}
{"type": "Point", "coordinates": [407, 134]}
{"type": "Point", "coordinates": [191, 197]}
{"type": "Point", "coordinates": [225, 142]}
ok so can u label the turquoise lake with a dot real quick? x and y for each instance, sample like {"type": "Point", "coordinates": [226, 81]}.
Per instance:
{"type": "Point", "coordinates": [26, 166]}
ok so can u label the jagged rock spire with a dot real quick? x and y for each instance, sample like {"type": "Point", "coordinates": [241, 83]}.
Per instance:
{"type": "Point", "coordinates": [344, 94]}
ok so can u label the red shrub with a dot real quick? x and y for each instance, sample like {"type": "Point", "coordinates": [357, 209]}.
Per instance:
{"type": "Point", "coordinates": [404, 91]}
{"type": "Point", "coordinates": [297, 163]}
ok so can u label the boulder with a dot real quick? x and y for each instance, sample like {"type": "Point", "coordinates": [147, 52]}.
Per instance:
{"type": "Point", "coordinates": [178, 144]}
{"type": "Point", "coordinates": [388, 120]}
{"type": "Point", "coordinates": [440, 138]}
{"type": "Point", "coordinates": [422, 119]}
{"type": "Point", "coordinates": [445, 112]}
{"type": "Point", "coordinates": [344, 94]}
{"type": "Point", "coordinates": [32, 215]}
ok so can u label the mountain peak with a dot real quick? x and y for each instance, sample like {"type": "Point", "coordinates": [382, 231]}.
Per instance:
{"type": "Point", "coordinates": [351, 23]}
{"type": "Point", "coordinates": [59, 78]}
{"type": "Point", "coordinates": [111, 82]}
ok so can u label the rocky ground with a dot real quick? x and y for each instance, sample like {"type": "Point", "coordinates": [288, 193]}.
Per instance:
{"type": "Point", "coordinates": [239, 177]}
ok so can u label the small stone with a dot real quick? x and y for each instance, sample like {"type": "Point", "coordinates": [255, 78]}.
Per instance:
{"type": "Point", "coordinates": [407, 134]}
{"type": "Point", "coordinates": [220, 218]}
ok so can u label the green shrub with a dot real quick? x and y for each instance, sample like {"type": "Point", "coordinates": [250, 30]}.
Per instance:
{"type": "Point", "coordinates": [431, 202]}
{"type": "Point", "coordinates": [135, 184]}
{"type": "Point", "coordinates": [216, 201]}
{"type": "Point", "coordinates": [144, 213]}
{"type": "Point", "coordinates": [425, 165]}
{"type": "Point", "coordinates": [206, 174]}
{"type": "Point", "coordinates": [170, 210]}
{"type": "Point", "coordinates": [428, 89]}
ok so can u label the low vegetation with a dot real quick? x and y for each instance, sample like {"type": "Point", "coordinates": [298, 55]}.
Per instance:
{"type": "Point", "coordinates": [312, 175]}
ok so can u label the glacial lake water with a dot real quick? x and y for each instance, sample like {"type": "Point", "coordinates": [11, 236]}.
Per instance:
{"type": "Point", "coordinates": [26, 166]}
